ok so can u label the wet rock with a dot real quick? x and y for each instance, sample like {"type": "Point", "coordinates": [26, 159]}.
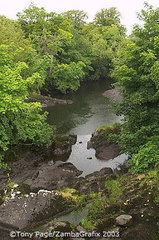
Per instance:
{"type": "Point", "coordinates": [105, 149]}
{"type": "Point", "coordinates": [72, 138]}
{"type": "Point", "coordinates": [108, 152]}
{"type": "Point", "coordinates": [56, 176]}
{"type": "Point", "coordinates": [62, 146]}
{"type": "Point", "coordinates": [28, 211]}
{"type": "Point", "coordinates": [80, 229]}
{"type": "Point", "coordinates": [93, 182]}
{"type": "Point", "coordinates": [124, 220]}
{"type": "Point", "coordinates": [102, 172]}
{"type": "Point", "coordinates": [89, 145]}
{"type": "Point", "coordinates": [59, 152]}
{"type": "Point", "coordinates": [23, 170]}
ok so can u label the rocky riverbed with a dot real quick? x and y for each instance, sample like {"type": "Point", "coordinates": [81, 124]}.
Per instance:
{"type": "Point", "coordinates": [39, 188]}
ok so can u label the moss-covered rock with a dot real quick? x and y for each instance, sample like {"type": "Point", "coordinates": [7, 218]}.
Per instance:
{"type": "Point", "coordinates": [129, 194]}
{"type": "Point", "coordinates": [62, 146]}
{"type": "Point", "coordinates": [34, 208]}
{"type": "Point", "coordinates": [13, 189]}
{"type": "Point", "coordinates": [103, 140]}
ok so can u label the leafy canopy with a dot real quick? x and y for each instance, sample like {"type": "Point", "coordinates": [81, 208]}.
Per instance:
{"type": "Point", "coordinates": [20, 122]}
{"type": "Point", "coordinates": [136, 69]}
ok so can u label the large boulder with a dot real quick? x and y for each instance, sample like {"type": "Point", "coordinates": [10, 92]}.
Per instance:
{"type": "Point", "coordinates": [30, 210]}
{"type": "Point", "coordinates": [94, 182]}
{"type": "Point", "coordinates": [62, 146]}
{"type": "Point", "coordinates": [100, 141]}
{"type": "Point", "coordinates": [54, 176]}
{"type": "Point", "coordinates": [72, 139]}
{"type": "Point", "coordinates": [113, 94]}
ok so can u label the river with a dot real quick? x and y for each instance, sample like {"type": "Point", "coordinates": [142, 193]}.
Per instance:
{"type": "Point", "coordinates": [89, 110]}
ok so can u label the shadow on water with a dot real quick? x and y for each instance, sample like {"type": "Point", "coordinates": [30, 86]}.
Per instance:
{"type": "Point", "coordinates": [88, 111]}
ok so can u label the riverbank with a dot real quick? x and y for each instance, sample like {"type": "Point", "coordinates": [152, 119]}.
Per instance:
{"type": "Point", "coordinates": [113, 94]}
{"type": "Point", "coordinates": [43, 191]}
{"type": "Point", "coordinates": [47, 101]}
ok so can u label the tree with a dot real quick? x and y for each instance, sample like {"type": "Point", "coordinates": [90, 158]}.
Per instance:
{"type": "Point", "coordinates": [106, 40]}
{"type": "Point", "coordinates": [147, 157]}
{"type": "Point", "coordinates": [68, 76]}
{"type": "Point", "coordinates": [59, 45]}
{"type": "Point", "coordinates": [107, 17]}
{"type": "Point", "coordinates": [20, 122]}
{"type": "Point", "coordinates": [21, 49]}
{"type": "Point", "coordinates": [77, 18]}
{"type": "Point", "coordinates": [136, 69]}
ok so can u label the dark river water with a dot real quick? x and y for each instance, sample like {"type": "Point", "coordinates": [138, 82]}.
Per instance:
{"type": "Point", "coordinates": [89, 110]}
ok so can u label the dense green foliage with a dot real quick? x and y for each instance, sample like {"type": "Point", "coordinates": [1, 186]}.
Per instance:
{"type": "Point", "coordinates": [44, 50]}
{"type": "Point", "coordinates": [137, 72]}
{"type": "Point", "coordinates": [73, 49]}
{"type": "Point", "coordinates": [20, 122]}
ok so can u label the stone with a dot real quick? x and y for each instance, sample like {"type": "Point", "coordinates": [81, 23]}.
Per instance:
{"type": "Point", "coordinates": [124, 220]}
{"type": "Point", "coordinates": [27, 211]}
{"type": "Point", "coordinates": [80, 229]}
{"type": "Point", "coordinates": [108, 152]}
{"type": "Point", "coordinates": [89, 145]}
{"type": "Point", "coordinates": [102, 172]}
{"type": "Point", "coordinates": [72, 139]}
{"type": "Point", "coordinates": [113, 94]}
{"type": "Point", "coordinates": [62, 226]}
{"type": "Point", "coordinates": [62, 146]}
{"type": "Point", "coordinates": [56, 176]}
{"type": "Point", "coordinates": [59, 152]}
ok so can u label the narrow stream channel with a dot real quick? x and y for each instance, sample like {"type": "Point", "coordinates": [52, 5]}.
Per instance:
{"type": "Point", "coordinates": [89, 110]}
{"type": "Point", "coordinates": [84, 159]}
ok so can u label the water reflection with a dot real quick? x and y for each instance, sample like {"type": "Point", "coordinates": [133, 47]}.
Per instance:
{"type": "Point", "coordinates": [85, 160]}
{"type": "Point", "coordinates": [67, 117]}
{"type": "Point", "coordinates": [88, 111]}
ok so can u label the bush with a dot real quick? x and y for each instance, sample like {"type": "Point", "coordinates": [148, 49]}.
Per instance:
{"type": "Point", "coordinates": [147, 158]}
